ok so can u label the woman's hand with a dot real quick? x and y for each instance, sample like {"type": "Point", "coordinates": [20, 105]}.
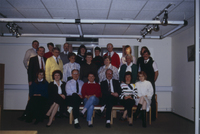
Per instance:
{"type": "Point", "coordinates": [63, 96]}
{"type": "Point", "coordinates": [128, 97]}
{"type": "Point", "coordinates": [37, 95]}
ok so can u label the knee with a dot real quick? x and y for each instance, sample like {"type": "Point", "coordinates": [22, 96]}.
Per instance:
{"type": "Point", "coordinates": [92, 98]}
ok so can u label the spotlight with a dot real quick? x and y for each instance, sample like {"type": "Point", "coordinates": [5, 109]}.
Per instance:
{"type": "Point", "coordinates": [17, 32]}
{"type": "Point", "coordinates": [164, 21]}
{"type": "Point", "coordinates": [139, 39]}
{"type": "Point", "coordinates": [9, 27]}
{"type": "Point", "coordinates": [149, 29]}
{"type": "Point", "coordinates": [156, 28]}
{"type": "Point", "coordinates": [144, 34]}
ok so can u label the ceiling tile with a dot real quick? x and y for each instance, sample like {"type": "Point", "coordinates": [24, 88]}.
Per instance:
{"type": "Point", "coordinates": [11, 13]}
{"type": "Point", "coordinates": [47, 28]}
{"type": "Point", "coordinates": [68, 28]}
{"type": "Point", "coordinates": [115, 29]}
{"type": "Point", "coordinates": [147, 15]}
{"type": "Point", "coordinates": [93, 29]}
{"type": "Point", "coordinates": [128, 4]}
{"type": "Point", "coordinates": [63, 13]}
{"type": "Point", "coordinates": [20, 4]}
{"type": "Point", "coordinates": [180, 15]}
{"type": "Point", "coordinates": [186, 6]}
{"type": "Point", "coordinates": [35, 13]}
{"type": "Point", "coordinates": [4, 4]}
{"type": "Point", "coordinates": [93, 14]}
{"type": "Point", "coordinates": [93, 4]}
{"type": "Point", "coordinates": [60, 4]}
{"type": "Point", "coordinates": [122, 14]}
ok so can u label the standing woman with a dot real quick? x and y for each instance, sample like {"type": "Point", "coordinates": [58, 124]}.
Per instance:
{"type": "Point", "coordinates": [128, 66]}
{"type": "Point", "coordinates": [57, 95]}
{"type": "Point", "coordinates": [80, 58]}
{"type": "Point", "coordinates": [128, 96]}
{"type": "Point", "coordinates": [67, 68]}
{"type": "Point", "coordinates": [127, 50]}
{"type": "Point", "coordinates": [107, 65]}
{"type": "Point", "coordinates": [145, 92]}
{"type": "Point", "coordinates": [38, 98]}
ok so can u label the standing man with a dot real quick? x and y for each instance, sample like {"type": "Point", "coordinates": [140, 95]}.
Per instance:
{"type": "Point", "coordinates": [111, 90]}
{"type": "Point", "coordinates": [50, 47]}
{"type": "Point", "coordinates": [53, 63]}
{"type": "Point", "coordinates": [115, 60]}
{"type": "Point", "coordinates": [30, 53]}
{"type": "Point", "coordinates": [150, 68]}
{"type": "Point", "coordinates": [98, 60]}
{"type": "Point", "coordinates": [87, 68]}
{"type": "Point", "coordinates": [36, 63]}
{"type": "Point", "coordinates": [64, 54]}
{"type": "Point", "coordinates": [74, 96]}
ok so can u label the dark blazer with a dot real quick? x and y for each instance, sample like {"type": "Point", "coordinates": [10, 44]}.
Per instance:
{"type": "Point", "coordinates": [53, 92]}
{"type": "Point", "coordinates": [116, 87]}
{"type": "Point", "coordinates": [33, 68]}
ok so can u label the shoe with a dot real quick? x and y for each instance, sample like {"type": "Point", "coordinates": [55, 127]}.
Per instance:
{"type": "Point", "coordinates": [130, 124]}
{"type": "Point", "coordinates": [108, 125]}
{"type": "Point", "coordinates": [48, 125]}
{"type": "Point", "coordinates": [90, 125]}
{"type": "Point", "coordinates": [46, 117]}
{"type": "Point", "coordinates": [22, 118]}
{"type": "Point", "coordinates": [36, 122]}
{"type": "Point", "coordinates": [81, 114]}
{"type": "Point", "coordinates": [77, 126]}
{"type": "Point", "coordinates": [122, 119]}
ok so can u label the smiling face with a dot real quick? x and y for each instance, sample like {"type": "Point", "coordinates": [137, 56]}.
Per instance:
{"type": "Point", "coordinates": [83, 51]}
{"type": "Point", "coordinates": [56, 76]}
{"type": "Point", "coordinates": [146, 56]}
{"type": "Point", "coordinates": [110, 47]}
{"type": "Point", "coordinates": [75, 75]}
{"type": "Point", "coordinates": [72, 59]}
{"type": "Point", "coordinates": [97, 52]}
{"type": "Point", "coordinates": [128, 79]}
{"type": "Point", "coordinates": [128, 51]}
{"type": "Point", "coordinates": [128, 59]}
{"type": "Point", "coordinates": [91, 78]}
{"type": "Point", "coordinates": [40, 76]}
{"type": "Point", "coordinates": [56, 53]}
{"type": "Point", "coordinates": [35, 45]}
{"type": "Point", "coordinates": [88, 58]}
{"type": "Point", "coordinates": [106, 62]}
{"type": "Point", "coordinates": [109, 74]}
{"type": "Point", "coordinates": [141, 77]}
{"type": "Point", "coordinates": [66, 47]}
{"type": "Point", "coordinates": [41, 52]}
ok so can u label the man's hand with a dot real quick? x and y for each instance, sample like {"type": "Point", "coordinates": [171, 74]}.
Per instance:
{"type": "Point", "coordinates": [115, 94]}
{"type": "Point", "coordinates": [29, 83]}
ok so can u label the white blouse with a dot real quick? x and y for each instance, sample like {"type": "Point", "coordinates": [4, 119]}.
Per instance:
{"type": "Point", "coordinates": [59, 87]}
{"type": "Point", "coordinates": [67, 69]}
{"type": "Point", "coordinates": [144, 88]}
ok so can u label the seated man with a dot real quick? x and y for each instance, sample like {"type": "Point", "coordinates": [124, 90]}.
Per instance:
{"type": "Point", "coordinates": [111, 90]}
{"type": "Point", "coordinates": [74, 97]}
{"type": "Point", "coordinates": [91, 91]}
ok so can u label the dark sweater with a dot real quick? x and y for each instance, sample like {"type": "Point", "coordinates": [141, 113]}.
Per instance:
{"type": "Point", "coordinates": [39, 88]}
{"type": "Point", "coordinates": [91, 89]}
{"type": "Point", "coordinates": [98, 60]}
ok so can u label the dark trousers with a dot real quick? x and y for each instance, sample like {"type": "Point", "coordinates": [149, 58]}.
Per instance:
{"type": "Point", "coordinates": [109, 101]}
{"type": "Point", "coordinates": [153, 102]}
{"type": "Point", "coordinates": [74, 101]}
{"type": "Point", "coordinates": [128, 104]}
{"type": "Point", "coordinates": [35, 108]}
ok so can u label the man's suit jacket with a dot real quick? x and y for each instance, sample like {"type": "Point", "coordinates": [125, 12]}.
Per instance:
{"type": "Point", "coordinates": [104, 87]}
{"type": "Point", "coordinates": [51, 65]}
{"type": "Point", "coordinates": [64, 58]}
{"type": "Point", "coordinates": [33, 68]}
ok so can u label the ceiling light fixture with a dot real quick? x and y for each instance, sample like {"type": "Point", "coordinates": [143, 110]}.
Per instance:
{"type": "Point", "coordinates": [139, 39]}
{"type": "Point", "coordinates": [14, 29]}
{"type": "Point", "coordinates": [164, 20]}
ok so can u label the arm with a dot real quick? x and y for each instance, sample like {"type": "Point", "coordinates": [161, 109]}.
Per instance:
{"type": "Point", "coordinates": [26, 59]}
{"type": "Point", "coordinates": [156, 76]}
{"type": "Point", "coordinates": [83, 90]}
{"type": "Point", "coordinates": [98, 91]}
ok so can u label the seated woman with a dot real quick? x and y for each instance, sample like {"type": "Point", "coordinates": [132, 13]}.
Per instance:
{"type": "Point", "coordinates": [67, 68]}
{"type": "Point", "coordinates": [129, 66]}
{"type": "Point", "coordinates": [57, 95]}
{"type": "Point", "coordinates": [127, 96]}
{"type": "Point", "coordinates": [91, 92]}
{"type": "Point", "coordinates": [38, 98]}
{"type": "Point", "coordinates": [107, 65]}
{"type": "Point", "coordinates": [145, 92]}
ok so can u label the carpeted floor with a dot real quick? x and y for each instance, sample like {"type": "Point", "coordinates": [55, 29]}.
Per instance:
{"type": "Point", "coordinates": [167, 123]}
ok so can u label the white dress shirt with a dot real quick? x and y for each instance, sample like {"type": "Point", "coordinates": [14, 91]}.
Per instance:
{"type": "Point", "coordinates": [154, 65]}
{"type": "Point", "coordinates": [70, 87]}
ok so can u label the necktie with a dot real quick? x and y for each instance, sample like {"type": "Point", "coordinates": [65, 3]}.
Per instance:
{"type": "Point", "coordinates": [109, 87]}
{"type": "Point", "coordinates": [42, 67]}
{"type": "Point", "coordinates": [77, 87]}
{"type": "Point", "coordinates": [145, 62]}
{"type": "Point", "coordinates": [57, 61]}
{"type": "Point", "coordinates": [109, 54]}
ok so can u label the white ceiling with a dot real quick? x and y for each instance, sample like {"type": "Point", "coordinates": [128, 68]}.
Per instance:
{"type": "Point", "coordinates": [95, 9]}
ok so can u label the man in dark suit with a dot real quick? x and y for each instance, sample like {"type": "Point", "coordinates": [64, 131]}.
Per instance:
{"type": "Point", "coordinates": [36, 63]}
{"type": "Point", "coordinates": [111, 90]}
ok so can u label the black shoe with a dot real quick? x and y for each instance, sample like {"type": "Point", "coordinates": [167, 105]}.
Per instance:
{"type": "Point", "coordinates": [48, 125]}
{"type": "Point", "coordinates": [122, 119]}
{"type": "Point", "coordinates": [130, 124]}
{"type": "Point", "coordinates": [46, 117]}
{"type": "Point", "coordinates": [36, 122]}
{"type": "Point", "coordinates": [22, 118]}
{"type": "Point", "coordinates": [90, 125]}
{"type": "Point", "coordinates": [108, 125]}
{"type": "Point", "coordinates": [77, 126]}
{"type": "Point", "coordinates": [81, 114]}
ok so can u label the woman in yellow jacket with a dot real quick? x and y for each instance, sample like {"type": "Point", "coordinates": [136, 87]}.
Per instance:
{"type": "Point", "coordinates": [53, 63]}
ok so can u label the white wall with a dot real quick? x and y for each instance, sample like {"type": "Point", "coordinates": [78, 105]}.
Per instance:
{"type": "Point", "coordinates": [183, 75]}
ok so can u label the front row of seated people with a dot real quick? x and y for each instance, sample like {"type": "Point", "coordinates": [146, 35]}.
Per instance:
{"type": "Point", "coordinates": [61, 94]}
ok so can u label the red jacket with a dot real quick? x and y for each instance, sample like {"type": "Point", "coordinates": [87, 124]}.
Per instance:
{"type": "Point", "coordinates": [115, 60]}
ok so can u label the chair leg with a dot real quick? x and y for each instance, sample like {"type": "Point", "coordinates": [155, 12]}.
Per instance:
{"type": "Point", "coordinates": [70, 118]}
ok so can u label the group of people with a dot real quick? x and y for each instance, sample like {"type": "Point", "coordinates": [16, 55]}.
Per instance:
{"type": "Point", "coordinates": [57, 80]}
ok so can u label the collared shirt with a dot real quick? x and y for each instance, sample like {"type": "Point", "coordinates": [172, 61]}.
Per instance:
{"type": "Point", "coordinates": [67, 69]}
{"type": "Point", "coordinates": [91, 82]}
{"type": "Point", "coordinates": [111, 85]}
{"type": "Point", "coordinates": [70, 87]}
{"type": "Point", "coordinates": [65, 52]}
{"type": "Point", "coordinates": [56, 58]}
{"type": "Point", "coordinates": [111, 53]}
{"type": "Point", "coordinates": [59, 87]}
{"type": "Point", "coordinates": [128, 68]}
{"type": "Point", "coordinates": [39, 59]}
{"type": "Point", "coordinates": [35, 50]}
{"type": "Point", "coordinates": [40, 80]}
